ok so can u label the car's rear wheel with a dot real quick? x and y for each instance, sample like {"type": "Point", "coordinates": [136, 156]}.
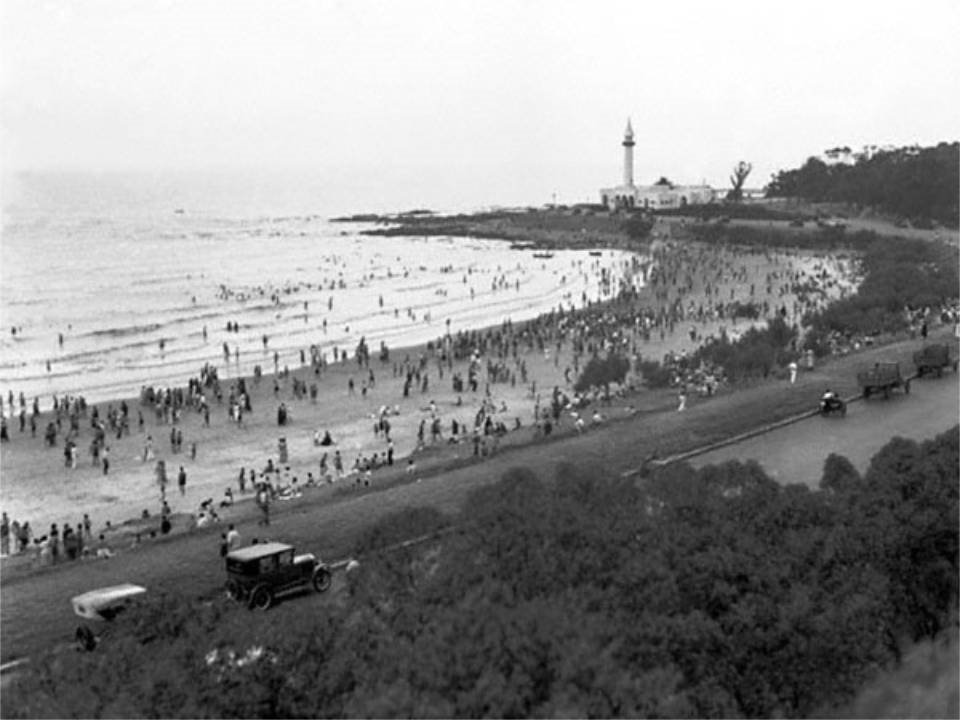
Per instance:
{"type": "Point", "coordinates": [261, 598]}
{"type": "Point", "coordinates": [322, 580]}
{"type": "Point", "coordinates": [234, 590]}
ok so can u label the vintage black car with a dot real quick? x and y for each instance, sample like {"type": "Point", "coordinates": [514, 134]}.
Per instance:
{"type": "Point", "coordinates": [258, 574]}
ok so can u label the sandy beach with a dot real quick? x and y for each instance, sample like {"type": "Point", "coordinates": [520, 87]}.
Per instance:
{"type": "Point", "coordinates": [39, 488]}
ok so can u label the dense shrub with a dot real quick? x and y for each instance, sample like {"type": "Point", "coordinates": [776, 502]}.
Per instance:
{"type": "Point", "coordinates": [754, 355]}
{"type": "Point", "coordinates": [399, 526]}
{"type": "Point", "coordinates": [735, 211]}
{"type": "Point", "coordinates": [711, 592]}
{"type": "Point", "coordinates": [601, 371]}
{"type": "Point", "coordinates": [637, 227]}
{"type": "Point", "coordinates": [654, 374]}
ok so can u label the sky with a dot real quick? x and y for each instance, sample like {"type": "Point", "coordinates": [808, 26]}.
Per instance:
{"type": "Point", "coordinates": [535, 89]}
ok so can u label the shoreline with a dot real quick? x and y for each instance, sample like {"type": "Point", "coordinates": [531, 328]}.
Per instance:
{"type": "Point", "coordinates": [426, 283]}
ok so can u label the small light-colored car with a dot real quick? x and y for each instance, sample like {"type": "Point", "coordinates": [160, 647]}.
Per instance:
{"type": "Point", "coordinates": [257, 574]}
{"type": "Point", "coordinates": [101, 606]}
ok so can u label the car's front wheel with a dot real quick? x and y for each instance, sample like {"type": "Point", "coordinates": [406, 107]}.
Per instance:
{"type": "Point", "coordinates": [322, 579]}
{"type": "Point", "coordinates": [261, 598]}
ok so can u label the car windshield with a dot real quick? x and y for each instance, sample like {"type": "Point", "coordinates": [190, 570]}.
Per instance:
{"type": "Point", "coordinates": [111, 611]}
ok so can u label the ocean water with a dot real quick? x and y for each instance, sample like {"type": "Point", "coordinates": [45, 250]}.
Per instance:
{"type": "Point", "coordinates": [133, 270]}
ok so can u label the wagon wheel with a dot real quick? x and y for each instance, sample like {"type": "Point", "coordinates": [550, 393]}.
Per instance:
{"type": "Point", "coordinates": [85, 638]}
{"type": "Point", "coordinates": [261, 598]}
{"type": "Point", "coordinates": [234, 590]}
{"type": "Point", "coordinates": [322, 579]}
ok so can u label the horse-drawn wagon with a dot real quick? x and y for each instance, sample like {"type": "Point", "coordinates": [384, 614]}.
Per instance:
{"type": "Point", "coordinates": [882, 377]}
{"type": "Point", "coordinates": [934, 358]}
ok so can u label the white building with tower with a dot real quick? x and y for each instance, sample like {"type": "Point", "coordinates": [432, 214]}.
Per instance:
{"type": "Point", "coordinates": [653, 197]}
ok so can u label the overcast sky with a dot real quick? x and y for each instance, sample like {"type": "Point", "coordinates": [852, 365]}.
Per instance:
{"type": "Point", "coordinates": [542, 86]}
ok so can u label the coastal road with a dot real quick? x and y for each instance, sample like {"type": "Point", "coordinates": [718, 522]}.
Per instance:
{"type": "Point", "coordinates": [796, 453]}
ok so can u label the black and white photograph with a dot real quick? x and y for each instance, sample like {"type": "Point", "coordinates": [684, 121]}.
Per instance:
{"type": "Point", "coordinates": [438, 358]}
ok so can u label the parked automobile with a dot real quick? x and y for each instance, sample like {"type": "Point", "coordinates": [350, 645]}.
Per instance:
{"type": "Point", "coordinates": [99, 607]}
{"type": "Point", "coordinates": [258, 574]}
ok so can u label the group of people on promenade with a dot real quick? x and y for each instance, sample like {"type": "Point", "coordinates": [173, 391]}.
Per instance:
{"type": "Point", "coordinates": [54, 546]}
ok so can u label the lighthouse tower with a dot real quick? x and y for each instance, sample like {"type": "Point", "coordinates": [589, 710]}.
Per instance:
{"type": "Point", "coordinates": [628, 155]}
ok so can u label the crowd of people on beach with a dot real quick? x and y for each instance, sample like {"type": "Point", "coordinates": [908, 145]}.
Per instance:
{"type": "Point", "coordinates": [680, 296]}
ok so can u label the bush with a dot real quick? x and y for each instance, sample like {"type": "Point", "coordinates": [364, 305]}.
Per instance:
{"type": "Point", "coordinates": [710, 592]}
{"type": "Point", "coordinates": [399, 526]}
{"type": "Point", "coordinates": [654, 374]}
{"type": "Point", "coordinates": [754, 355]}
{"type": "Point", "coordinates": [601, 371]}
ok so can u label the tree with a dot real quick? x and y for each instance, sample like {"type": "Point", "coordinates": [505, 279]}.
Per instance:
{"type": "Point", "coordinates": [637, 227]}
{"type": "Point", "coordinates": [708, 593]}
{"type": "Point", "coordinates": [740, 172]}
{"type": "Point", "coordinates": [600, 372]}
{"type": "Point", "coordinates": [839, 474]}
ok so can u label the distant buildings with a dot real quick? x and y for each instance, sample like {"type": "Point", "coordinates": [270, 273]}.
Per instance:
{"type": "Point", "coordinates": [659, 196]}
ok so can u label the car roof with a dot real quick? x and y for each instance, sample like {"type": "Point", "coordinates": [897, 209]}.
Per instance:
{"type": "Point", "coordinates": [254, 552]}
{"type": "Point", "coordinates": [103, 597]}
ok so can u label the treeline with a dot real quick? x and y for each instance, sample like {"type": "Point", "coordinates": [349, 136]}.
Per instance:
{"type": "Point", "coordinates": [912, 182]}
{"type": "Point", "coordinates": [699, 593]}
